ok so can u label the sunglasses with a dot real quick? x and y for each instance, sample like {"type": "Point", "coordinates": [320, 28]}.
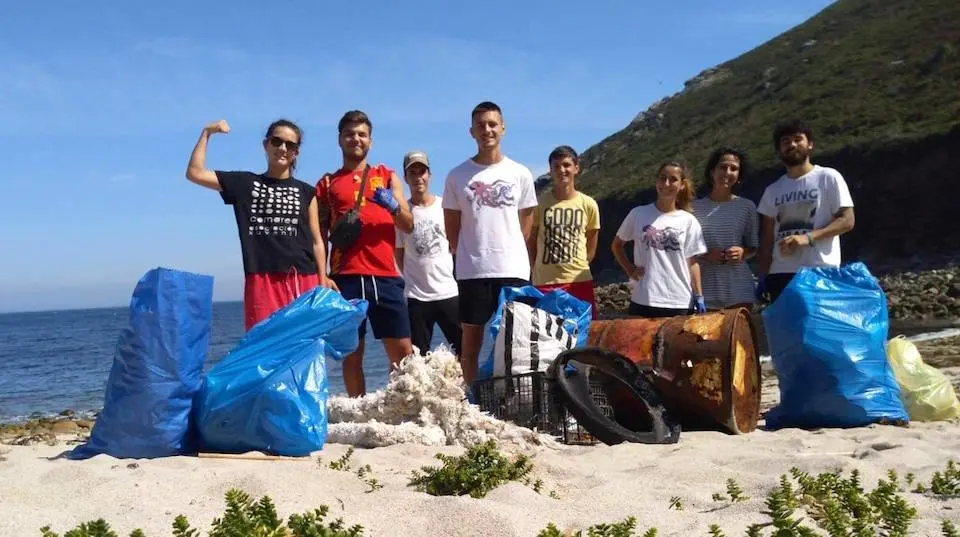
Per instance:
{"type": "Point", "coordinates": [276, 141]}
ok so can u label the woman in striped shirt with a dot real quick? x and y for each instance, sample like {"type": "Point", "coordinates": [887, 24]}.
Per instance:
{"type": "Point", "coordinates": [729, 225]}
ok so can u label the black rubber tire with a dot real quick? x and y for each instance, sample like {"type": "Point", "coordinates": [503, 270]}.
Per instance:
{"type": "Point", "coordinates": [573, 392]}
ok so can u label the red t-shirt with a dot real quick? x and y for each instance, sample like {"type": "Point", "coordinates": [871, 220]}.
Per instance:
{"type": "Point", "coordinates": [372, 254]}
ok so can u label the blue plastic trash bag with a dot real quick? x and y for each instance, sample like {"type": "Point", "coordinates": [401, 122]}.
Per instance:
{"type": "Point", "coordinates": [270, 392]}
{"type": "Point", "coordinates": [827, 334]}
{"type": "Point", "coordinates": [577, 314]}
{"type": "Point", "coordinates": [157, 370]}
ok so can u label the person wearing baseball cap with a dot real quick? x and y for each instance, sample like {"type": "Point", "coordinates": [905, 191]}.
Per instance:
{"type": "Point", "coordinates": [424, 258]}
{"type": "Point", "coordinates": [416, 157]}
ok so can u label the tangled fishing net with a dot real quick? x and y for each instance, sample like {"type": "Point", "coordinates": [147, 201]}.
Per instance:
{"type": "Point", "coordinates": [422, 403]}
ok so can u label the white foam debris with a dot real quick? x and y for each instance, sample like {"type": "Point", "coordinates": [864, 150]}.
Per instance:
{"type": "Point", "coordinates": [939, 334]}
{"type": "Point", "coordinates": [423, 403]}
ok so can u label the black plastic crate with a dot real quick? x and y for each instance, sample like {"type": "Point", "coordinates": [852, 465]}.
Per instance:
{"type": "Point", "coordinates": [528, 400]}
{"type": "Point", "coordinates": [573, 432]}
{"type": "Point", "coordinates": [525, 399]}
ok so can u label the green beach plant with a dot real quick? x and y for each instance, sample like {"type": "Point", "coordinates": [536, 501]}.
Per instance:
{"type": "Point", "coordinates": [944, 484]}
{"type": "Point", "coordinates": [734, 493]}
{"type": "Point", "coordinates": [624, 528]}
{"type": "Point", "coordinates": [833, 503]}
{"type": "Point", "coordinates": [801, 505]}
{"type": "Point", "coordinates": [243, 518]}
{"type": "Point", "coordinates": [364, 473]}
{"type": "Point", "coordinates": [475, 473]}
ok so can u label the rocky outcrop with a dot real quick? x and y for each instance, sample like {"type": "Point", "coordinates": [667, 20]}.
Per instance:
{"type": "Point", "coordinates": [75, 427]}
{"type": "Point", "coordinates": [706, 78]}
{"type": "Point", "coordinates": [653, 116]}
{"type": "Point", "coordinates": [613, 299]}
{"type": "Point", "coordinates": [933, 294]}
{"type": "Point", "coordinates": [925, 295]}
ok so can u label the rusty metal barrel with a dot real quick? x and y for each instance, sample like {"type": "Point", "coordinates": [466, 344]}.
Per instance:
{"type": "Point", "coordinates": [706, 367]}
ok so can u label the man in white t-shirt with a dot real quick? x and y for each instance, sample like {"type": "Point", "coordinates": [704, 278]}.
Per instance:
{"type": "Point", "coordinates": [803, 213]}
{"type": "Point", "coordinates": [488, 205]}
{"type": "Point", "coordinates": [423, 257]}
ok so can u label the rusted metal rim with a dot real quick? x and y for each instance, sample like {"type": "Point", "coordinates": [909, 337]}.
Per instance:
{"type": "Point", "coordinates": [574, 393]}
{"type": "Point", "coordinates": [745, 377]}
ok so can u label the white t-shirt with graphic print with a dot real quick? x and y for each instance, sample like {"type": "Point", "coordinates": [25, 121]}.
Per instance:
{"type": "Point", "coordinates": [427, 263]}
{"type": "Point", "coordinates": [491, 243]}
{"type": "Point", "coordinates": [662, 244]}
{"type": "Point", "coordinates": [799, 206]}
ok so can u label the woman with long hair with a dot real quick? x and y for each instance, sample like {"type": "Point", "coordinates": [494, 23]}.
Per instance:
{"type": "Point", "coordinates": [729, 224]}
{"type": "Point", "coordinates": [666, 242]}
{"type": "Point", "coordinates": [277, 220]}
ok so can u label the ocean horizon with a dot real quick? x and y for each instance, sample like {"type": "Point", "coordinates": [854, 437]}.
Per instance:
{"type": "Point", "coordinates": [73, 309]}
{"type": "Point", "coordinates": [59, 360]}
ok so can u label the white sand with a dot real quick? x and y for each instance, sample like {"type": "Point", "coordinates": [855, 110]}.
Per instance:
{"type": "Point", "coordinates": [594, 484]}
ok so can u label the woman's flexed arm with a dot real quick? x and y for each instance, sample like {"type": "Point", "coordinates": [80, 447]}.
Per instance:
{"type": "Point", "coordinates": [197, 171]}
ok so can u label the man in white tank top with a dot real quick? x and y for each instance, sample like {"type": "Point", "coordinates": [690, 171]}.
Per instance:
{"type": "Point", "coordinates": [423, 257]}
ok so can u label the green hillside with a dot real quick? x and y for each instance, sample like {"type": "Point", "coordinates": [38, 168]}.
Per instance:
{"type": "Point", "coordinates": [864, 73]}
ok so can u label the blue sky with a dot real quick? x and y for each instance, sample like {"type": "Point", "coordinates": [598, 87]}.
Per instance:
{"type": "Point", "coordinates": [101, 103]}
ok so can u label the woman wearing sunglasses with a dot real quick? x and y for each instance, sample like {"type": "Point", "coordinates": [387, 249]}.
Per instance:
{"type": "Point", "coordinates": [277, 220]}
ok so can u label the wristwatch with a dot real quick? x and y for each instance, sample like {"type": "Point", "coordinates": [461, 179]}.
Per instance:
{"type": "Point", "coordinates": [809, 239]}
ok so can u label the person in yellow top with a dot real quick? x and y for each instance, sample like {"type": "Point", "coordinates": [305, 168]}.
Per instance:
{"type": "Point", "coordinates": [565, 227]}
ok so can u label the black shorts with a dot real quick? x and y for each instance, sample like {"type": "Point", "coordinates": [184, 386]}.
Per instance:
{"type": "Point", "coordinates": [774, 284]}
{"type": "Point", "coordinates": [479, 297]}
{"type": "Point", "coordinates": [423, 315]}
{"type": "Point", "coordinates": [652, 312]}
{"type": "Point", "coordinates": [387, 308]}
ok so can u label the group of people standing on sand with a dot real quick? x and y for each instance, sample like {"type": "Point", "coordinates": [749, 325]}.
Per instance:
{"type": "Point", "coordinates": [691, 255]}
{"type": "Point", "coordinates": [442, 260]}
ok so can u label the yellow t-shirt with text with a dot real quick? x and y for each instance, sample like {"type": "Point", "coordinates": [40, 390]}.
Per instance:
{"type": "Point", "coordinates": [562, 228]}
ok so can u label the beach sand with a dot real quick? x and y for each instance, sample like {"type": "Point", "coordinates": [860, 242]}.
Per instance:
{"type": "Point", "coordinates": [582, 485]}
{"type": "Point", "coordinates": [593, 484]}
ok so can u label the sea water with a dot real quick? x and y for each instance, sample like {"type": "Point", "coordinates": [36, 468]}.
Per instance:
{"type": "Point", "coordinates": [59, 360]}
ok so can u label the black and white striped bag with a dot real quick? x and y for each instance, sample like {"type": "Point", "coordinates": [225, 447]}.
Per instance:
{"type": "Point", "coordinates": [530, 339]}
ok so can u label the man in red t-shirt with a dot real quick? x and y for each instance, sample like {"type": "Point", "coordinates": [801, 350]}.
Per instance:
{"type": "Point", "coordinates": [367, 269]}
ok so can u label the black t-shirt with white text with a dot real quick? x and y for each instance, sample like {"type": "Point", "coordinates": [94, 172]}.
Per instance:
{"type": "Point", "coordinates": [272, 221]}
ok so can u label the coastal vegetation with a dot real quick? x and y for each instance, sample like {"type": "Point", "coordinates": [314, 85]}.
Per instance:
{"type": "Point", "coordinates": [799, 505]}
{"type": "Point", "coordinates": [475, 473]}
{"type": "Point", "coordinates": [877, 80]}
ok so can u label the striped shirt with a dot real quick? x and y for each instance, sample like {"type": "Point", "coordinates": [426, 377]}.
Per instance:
{"type": "Point", "coordinates": [726, 224]}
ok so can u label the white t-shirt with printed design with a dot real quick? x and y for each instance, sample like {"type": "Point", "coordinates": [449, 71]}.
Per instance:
{"type": "Point", "coordinates": [662, 244]}
{"type": "Point", "coordinates": [427, 263]}
{"type": "Point", "coordinates": [799, 206]}
{"type": "Point", "coordinates": [491, 243]}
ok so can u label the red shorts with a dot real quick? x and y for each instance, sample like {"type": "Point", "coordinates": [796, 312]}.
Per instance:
{"type": "Point", "coordinates": [581, 290]}
{"type": "Point", "coordinates": [268, 292]}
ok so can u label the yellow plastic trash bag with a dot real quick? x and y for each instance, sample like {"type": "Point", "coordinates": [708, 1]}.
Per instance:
{"type": "Point", "coordinates": [925, 391]}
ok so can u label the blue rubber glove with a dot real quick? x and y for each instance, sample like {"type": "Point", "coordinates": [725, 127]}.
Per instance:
{"type": "Point", "coordinates": [384, 198]}
{"type": "Point", "coordinates": [761, 289]}
{"type": "Point", "coordinates": [699, 306]}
